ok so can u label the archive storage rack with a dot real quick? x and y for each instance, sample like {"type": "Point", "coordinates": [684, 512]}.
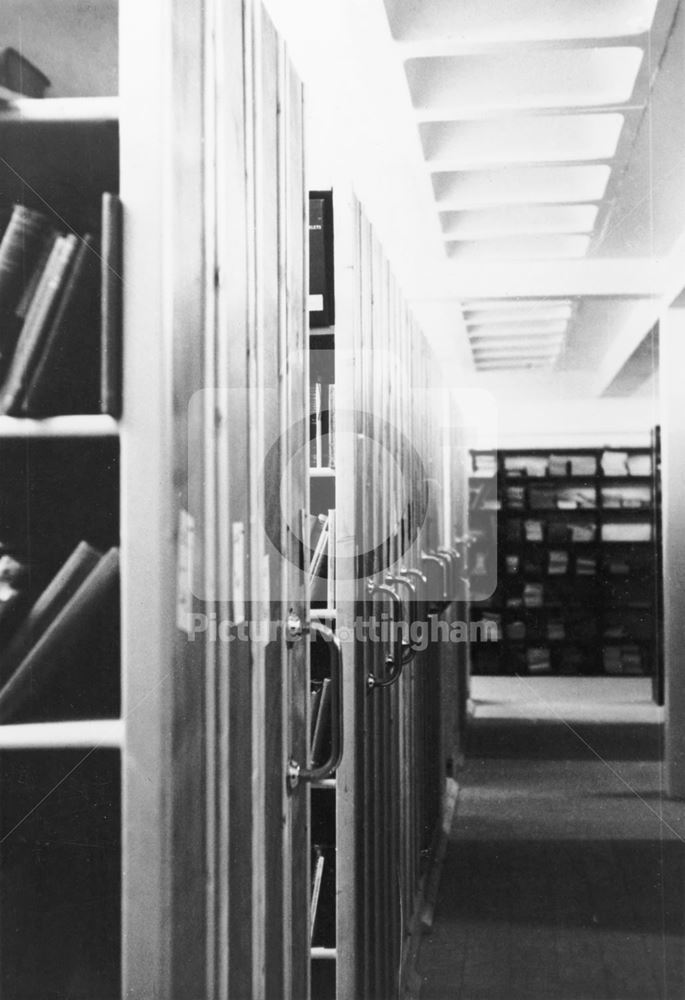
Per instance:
{"type": "Point", "coordinates": [567, 550]}
{"type": "Point", "coordinates": [374, 821]}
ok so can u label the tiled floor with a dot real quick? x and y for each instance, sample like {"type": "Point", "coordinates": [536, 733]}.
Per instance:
{"type": "Point", "coordinates": [565, 874]}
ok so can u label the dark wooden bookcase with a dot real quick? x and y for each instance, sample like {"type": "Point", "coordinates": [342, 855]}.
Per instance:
{"type": "Point", "coordinates": [565, 561]}
{"type": "Point", "coordinates": [60, 766]}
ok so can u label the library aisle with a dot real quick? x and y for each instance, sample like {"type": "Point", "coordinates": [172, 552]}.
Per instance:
{"type": "Point", "coordinates": [563, 878]}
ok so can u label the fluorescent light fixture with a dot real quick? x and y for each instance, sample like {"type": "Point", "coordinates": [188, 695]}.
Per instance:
{"type": "Point", "coordinates": [561, 247]}
{"type": "Point", "coordinates": [473, 22]}
{"type": "Point", "coordinates": [509, 351]}
{"type": "Point", "coordinates": [544, 328]}
{"type": "Point", "coordinates": [486, 318]}
{"type": "Point", "coordinates": [471, 86]}
{"type": "Point", "coordinates": [550, 344]}
{"type": "Point", "coordinates": [458, 191]}
{"type": "Point", "coordinates": [512, 363]}
{"type": "Point", "coordinates": [494, 305]}
{"type": "Point", "coordinates": [525, 139]}
{"type": "Point", "coordinates": [518, 220]}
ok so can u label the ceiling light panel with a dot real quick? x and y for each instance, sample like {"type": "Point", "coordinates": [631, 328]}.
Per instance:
{"type": "Point", "coordinates": [505, 364]}
{"type": "Point", "coordinates": [455, 145]}
{"type": "Point", "coordinates": [473, 22]}
{"type": "Point", "coordinates": [521, 248]}
{"type": "Point", "coordinates": [511, 305]}
{"type": "Point", "coordinates": [512, 330]}
{"type": "Point", "coordinates": [521, 317]}
{"type": "Point", "coordinates": [459, 191]}
{"type": "Point", "coordinates": [518, 219]}
{"type": "Point", "coordinates": [472, 85]}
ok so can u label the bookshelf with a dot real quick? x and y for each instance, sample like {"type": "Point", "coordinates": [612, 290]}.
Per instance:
{"type": "Point", "coordinates": [566, 545]}
{"type": "Point", "coordinates": [62, 729]}
{"type": "Point", "coordinates": [376, 819]}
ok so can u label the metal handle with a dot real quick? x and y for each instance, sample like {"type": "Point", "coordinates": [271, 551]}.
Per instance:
{"type": "Point", "coordinates": [295, 772]}
{"type": "Point", "coordinates": [433, 557]}
{"type": "Point", "coordinates": [408, 653]}
{"type": "Point", "coordinates": [394, 662]}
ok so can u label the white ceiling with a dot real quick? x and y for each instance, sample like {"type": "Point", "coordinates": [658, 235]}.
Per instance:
{"type": "Point", "coordinates": [523, 162]}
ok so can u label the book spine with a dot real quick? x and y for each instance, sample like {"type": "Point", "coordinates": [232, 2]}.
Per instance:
{"type": "Point", "coordinates": [37, 322]}
{"type": "Point", "coordinates": [111, 306]}
{"type": "Point", "coordinates": [64, 369]}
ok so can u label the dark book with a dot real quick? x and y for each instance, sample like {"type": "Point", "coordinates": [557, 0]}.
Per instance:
{"type": "Point", "coordinates": [61, 589]}
{"type": "Point", "coordinates": [60, 646]}
{"type": "Point", "coordinates": [111, 262]}
{"type": "Point", "coordinates": [20, 249]}
{"type": "Point", "coordinates": [36, 275]}
{"type": "Point", "coordinates": [19, 76]}
{"type": "Point", "coordinates": [64, 378]}
{"type": "Point", "coordinates": [37, 323]}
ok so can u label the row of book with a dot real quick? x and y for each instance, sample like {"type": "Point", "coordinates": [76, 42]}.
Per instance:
{"type": "Point", "coordinates": [60, 315]}
{"type": "Point", "coordinates": [628, 660]}
{"type": "Point", "coordinates": [46, 641]}
{"type": "Point", "coordinates": [556, 562]}
{"type": "Point", "coordinates": [319, 540]}
{"type": "Point", "coordinates": [322, 426]}
{"type": "Point", "coordinates": [611, 463]}
{"type": "Point", "coordinates": [566, 532]}
{"type": "Point", "coordinates": [585, 498]}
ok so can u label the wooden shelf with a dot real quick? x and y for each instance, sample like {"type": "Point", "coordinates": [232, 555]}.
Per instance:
{"type": "Point", "coordinates": [89, 425]}
{"type": "Point", "coordinates": [60, 109]}
{"type": "Point", "coordinates": [329, 954]}
{"type": "Point", "coordinates": [322, 473]}
{"type": "Point", "coordinates": [96, 733]}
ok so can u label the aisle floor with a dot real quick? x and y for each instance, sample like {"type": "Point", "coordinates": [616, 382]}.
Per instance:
{"type": "Point", "coordinates": [565, 872]}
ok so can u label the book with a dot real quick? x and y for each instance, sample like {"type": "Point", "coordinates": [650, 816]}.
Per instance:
{"type": "Point", "coordinates": [21, 246]}
{"type": "Point", "coordinates": [18, 76]}
{"type": "Point", "coordinates": [319, 551]}
{"type": "Point", "coordinates": [13, 577]}
{"type": "Point", "coordinates": [314, 701]}
{"type": "Point", "coordinates": [623, 531]}
{"type": "Point", "coordinates": [64, 377]}
{"type": "Point", "coordinates": [56, 649]}
{"type": "Point", "coordinates": [322, 726]}
{"type": "Point", "coordinates": [61, 589]}
{"type": "Point", "coordinates": [317, 876]}
{"type": "Point", "coordinates": [37, 323]}
{"type": "Point", "coordinates": [32, 284]}
{"type": "Point", "coordinates": [111, 306]}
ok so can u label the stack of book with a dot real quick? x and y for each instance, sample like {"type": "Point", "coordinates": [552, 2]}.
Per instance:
{"type": "Point", "coordinates": [485, 464]}
{"type": "Point", "coordinates": [558, 562]}
{"type": "Point", "coordinates": [583, 465]}
{"type": "Point", "coordinates": [526, 465]}
{"type": "Point", "coordinates": [623, 531]}
{"type": "Point", "coordinates": [558, 465]}
{"type": "Point", "coordinates": [538, 660]}
{"type": "Point", "coordinates": [556, 630]}
{"type": "Point", "coordinates": [639, 465]}
{"type": "Point", "coordinates": [533, 594]}
{"type": "Point", "coordinates": [57, 631]}
{"type": "Point", "coordinates": [586, 566]}
{"type": "Point", "coordinates": [516, 497]}
{"type": "Point", "coordinates": [614, 463]}
{"type": "Point", "coordinates": [623, 660]}
{"type": "Point", "coordinates": [60, 314]}
{"type": "Point", "coordinates": [533, 530]}
{"type": "Point", "coordinates": [583, 532]}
